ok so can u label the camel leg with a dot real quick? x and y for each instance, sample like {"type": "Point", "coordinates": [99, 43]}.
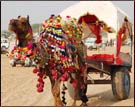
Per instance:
{"type": "Point", "coordinates": [75, 96]}
{"type": "Point", "coordinates": [82, 91]}
{"type": "Point", "coordinates": [56, 92]}
{"type": "Point", "coordinates": [83, 96]}
{"type": "Point", "coordinates": [74, 103]}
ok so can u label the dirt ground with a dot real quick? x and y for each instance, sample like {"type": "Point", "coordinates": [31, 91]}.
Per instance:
{"type": "Point", "coordinates": [18, 88]}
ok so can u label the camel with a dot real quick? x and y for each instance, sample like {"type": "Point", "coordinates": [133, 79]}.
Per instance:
{"type": "Point", "coordinates": [47, 61]}
{"type": "Point", "coordinates": [22, 28]}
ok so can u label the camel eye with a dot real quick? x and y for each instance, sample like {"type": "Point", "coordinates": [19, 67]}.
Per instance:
{"type": "Point", "coordinates": [24, 23]}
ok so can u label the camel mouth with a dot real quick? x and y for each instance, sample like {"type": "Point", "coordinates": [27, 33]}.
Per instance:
{"type": "Point", "coordinates": [11, 28]}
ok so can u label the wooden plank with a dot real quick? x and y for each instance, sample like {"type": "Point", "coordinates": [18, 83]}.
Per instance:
{"type": "Point", "coordinates": [125, 57]}
{"type": "Point", "coordinates": [99, 81]}
{"type": "Point", "coordinates": [101, 67]}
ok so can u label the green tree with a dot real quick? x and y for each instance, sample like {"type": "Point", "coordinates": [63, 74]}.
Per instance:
{"type": "Point", "coordinates": [36, 27]}
{"type": "Point", "coordinates": [6, 33]}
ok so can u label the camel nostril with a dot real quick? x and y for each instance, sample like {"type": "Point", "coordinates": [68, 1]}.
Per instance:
{"type": "Point", "coordinates": [13, 21]}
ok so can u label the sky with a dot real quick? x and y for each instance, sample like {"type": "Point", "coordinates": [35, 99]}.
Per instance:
{"type": "Point", "coordinates": [41, 10]}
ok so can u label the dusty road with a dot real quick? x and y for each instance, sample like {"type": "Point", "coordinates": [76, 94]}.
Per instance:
{"type": "Point", "coordinates": [18, 88]}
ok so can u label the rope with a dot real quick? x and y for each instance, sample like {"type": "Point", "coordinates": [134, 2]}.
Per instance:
{"type": "Point", "coordinates": [63, 94]}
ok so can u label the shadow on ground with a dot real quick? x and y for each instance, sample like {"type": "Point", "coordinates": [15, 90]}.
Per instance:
{"type": "Point", "coordinates": [106, 98]}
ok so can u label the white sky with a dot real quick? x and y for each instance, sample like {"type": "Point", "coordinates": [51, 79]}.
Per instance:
{"type": "Point", "coordinates": [41, 10]}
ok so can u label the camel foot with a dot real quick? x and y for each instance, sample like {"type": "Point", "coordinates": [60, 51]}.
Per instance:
{"type": "Point", "coordinates": [74, 103]}
{"type": "Point", "coordinates": [84, 104]}
{"type": "Point", "coordinates": [59, 104]}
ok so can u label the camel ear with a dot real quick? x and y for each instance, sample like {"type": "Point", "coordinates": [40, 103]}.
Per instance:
{"type": "Point", "coordinates": [28, 18]}
{"type": "Point", "coordinates": [18, 16]}
{"type": "Point", "coordinates": [126, 19]}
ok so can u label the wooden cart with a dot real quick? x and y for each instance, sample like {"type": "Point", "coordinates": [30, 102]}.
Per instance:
{"type": "Point", "coordinates": [119, 76]}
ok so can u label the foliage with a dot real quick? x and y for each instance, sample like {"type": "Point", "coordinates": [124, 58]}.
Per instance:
{"type": "Point", "coordinates": [6, 33]}
{"type": "Point", "coordinates": [36, 27]}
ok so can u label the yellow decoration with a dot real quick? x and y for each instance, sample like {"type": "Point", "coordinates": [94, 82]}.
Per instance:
{"type": "Point", "coordinates": [11, 55]}
{"type": "Point", "coordinates": [58, 18]}
{"type": "Point", "coordinates": [76, 62]}
{"type": "Point", "coordinates": [83, 24]}
{"type": "Point", "coordinates": [25, 49]}
{"type": "Point", "coordinates": [63, 43]}
{"type": "Point", "coordinates": [28, 35]}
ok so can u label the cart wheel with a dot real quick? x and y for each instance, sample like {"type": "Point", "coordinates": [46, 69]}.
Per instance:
{"type": "Point", "coordinates": [12, 63]}
{"type": "Point", "coordinates": [121, 83]}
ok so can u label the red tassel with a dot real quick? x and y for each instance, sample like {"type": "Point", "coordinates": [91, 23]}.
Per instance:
{"type": "Point", "coordinates": [98, 41]}
{"type": "Point", "coordinates": [74, 83]}
{"type": "Point", "coordinates": [40, 89]}
{"type": "Point", "coordinates": [40, 80]}
{"type": "Point", "coordinates": [40, 85]}
{"type": "Point", "coordinates": [68, 17]}
{"type": "Point", "coordinates": [55, 77]}
{"type": "Point", "coordinates": [64, 77]}
{"type": "Point", "coordinates": [119, 40]}
{"type": "Point", "coordinates": [40, 74]}
{"type": "Point", "coordinates": [71, 69]}
{"type": "Point", "coordinates": [35, 70]}
{"type": "Point", "coordinates": [54, 72]}
{"type": "Point", "coordinates": [96, 30]}
{"type": "Point", "coordinates": [118, 61]}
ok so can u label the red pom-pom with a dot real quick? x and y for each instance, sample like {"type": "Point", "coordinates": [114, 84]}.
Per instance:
{"type": "Point", "coordinates": [35, 70]}
{"type": "Point", "coordinates": [29, 52]}
{"type": "Point", "coordinates": [58, 25]}
{"type": "Point", "coordinates": [40, 85]}
{"type": "Point", "coordinates": [63, 69]}
{"type": "Point", "coordinates": [71, 69]}
{"type": "Point", "coordinates": [50, 62]}
{"type": "Point", "coordinates": [74, 83]}
{"type": "Point", "coordinates": [64, 77]}
{"type": "Point", "coordinates": [54, 72]}
{"type": "Point", "coordinates": [40, 74]}
{"type": "Point", "coordinates": [19, 56]}
{"type": "Point", "coordinates": [55, 77]}
{"type": "Point", "coordinates": [98, 41]}
{"type": "Point", "coordinates": [40, 80]}
{"type": "Point", "coordinates": [40, 89]}
{"type": "Point", "coordinates": [119, 61]}
{"type": "Point", "coordinates": [68, 16]}
{"type": "Point", "coordinates": [66, 33]}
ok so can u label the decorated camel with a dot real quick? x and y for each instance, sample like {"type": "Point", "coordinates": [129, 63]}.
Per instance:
{"type": "Point", "coordinates": [22, 52]}
{"type": "Point", "coordinates": [62, 54]}
{"type": "Point", "coordinates": [22, 29]}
